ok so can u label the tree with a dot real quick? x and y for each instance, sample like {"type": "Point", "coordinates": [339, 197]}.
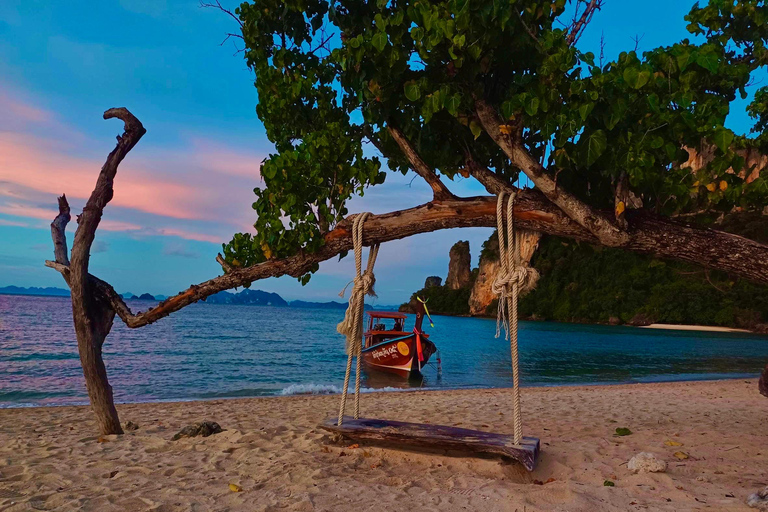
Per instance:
{"type": "Point", "coordinates": [486, 89]}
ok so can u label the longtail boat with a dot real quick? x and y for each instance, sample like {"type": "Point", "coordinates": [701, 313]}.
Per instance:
{"type": "Point", "coordinates": [388, 347]}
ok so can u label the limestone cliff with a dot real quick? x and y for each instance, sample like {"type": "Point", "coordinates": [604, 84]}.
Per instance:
{"type": "Point", "coordinates": [459, 267]}
{"type": "Point", "coordinates": [482, 296]}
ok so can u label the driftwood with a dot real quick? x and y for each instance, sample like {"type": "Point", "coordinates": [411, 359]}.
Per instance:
{"type": "Point", "coordinates": [437, 437]}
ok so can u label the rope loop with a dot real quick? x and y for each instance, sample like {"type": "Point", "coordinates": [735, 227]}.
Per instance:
{"type": "Point", "coordinates": [352, 325]}
{"type": "Point", "coordinates": [511, 278]}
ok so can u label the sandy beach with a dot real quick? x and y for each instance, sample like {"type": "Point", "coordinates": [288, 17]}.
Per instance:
{"type": "Point", "coordinates": [682, 327]}
{"type": "Point", "coordinates": [52, 459]}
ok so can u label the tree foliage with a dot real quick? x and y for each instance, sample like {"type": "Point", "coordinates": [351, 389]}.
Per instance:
{"type": "Point", "coordinates": [335, 75]}
{"type": "Point", "coordinates": [584, 283]}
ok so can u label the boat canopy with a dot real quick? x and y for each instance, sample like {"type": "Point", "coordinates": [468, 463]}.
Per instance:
{"type": "Point", "coordinates": [387, 314]}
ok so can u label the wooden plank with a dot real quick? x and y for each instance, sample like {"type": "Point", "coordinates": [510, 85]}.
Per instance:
{"type": "Point", "coordinates": [437, 436]}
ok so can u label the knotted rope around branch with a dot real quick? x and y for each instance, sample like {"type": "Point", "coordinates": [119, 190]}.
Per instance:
{"type": "Point", "coordinates": [512, 278]}
{"type": "Point", "coordinates": [352, 325]}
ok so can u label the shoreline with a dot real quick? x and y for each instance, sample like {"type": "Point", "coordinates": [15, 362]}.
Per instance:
{"type": "Point", "coordinates": [388, 390]}
{"type": "Point", "coordinates": [710, 433]}
{"type": "Point", "coordinates": [704, 328]}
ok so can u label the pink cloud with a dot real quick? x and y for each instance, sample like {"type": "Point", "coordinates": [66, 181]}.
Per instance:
{"type": "Point", "coordinates": [22, 111]}
{"type": "Point", "coordinates": [4, 222]}
{"type": "Point", "coordinates": [32, 163]}
{"type": "Point", "coordinates": [189, 235]}
{"type": "Point", "coordinates": [198, 190]}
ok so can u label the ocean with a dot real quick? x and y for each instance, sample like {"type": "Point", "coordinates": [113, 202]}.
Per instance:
{"type": "Point", "coordinates": [211, 351]}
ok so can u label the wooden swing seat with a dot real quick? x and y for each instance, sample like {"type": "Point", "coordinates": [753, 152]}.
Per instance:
{"type": "Point", "coordinates": [437, 436]}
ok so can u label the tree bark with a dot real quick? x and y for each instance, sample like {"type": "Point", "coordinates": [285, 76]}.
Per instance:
{"type": "Point", "coordinates": [420, 167]}
{"type": "Point", "coordinates": [763, 384]}
{"type": "Point", "coordinates": [648, 234]}
{"type": "Point", "coordinates": [92, 312]}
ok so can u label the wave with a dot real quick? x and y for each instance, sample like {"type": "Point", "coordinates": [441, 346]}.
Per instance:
{"type": "Point", "coordinates": [311, 389]}
{"type": "Point", "coordinates": [331, 389]}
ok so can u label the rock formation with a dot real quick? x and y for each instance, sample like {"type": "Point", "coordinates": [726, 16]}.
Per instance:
{"type": "Point", "coordinates": [459, 271]}
{"type": "Point", "coordinates": [482, 294]}
{"type": "Point", "coordinates": [433, 281]}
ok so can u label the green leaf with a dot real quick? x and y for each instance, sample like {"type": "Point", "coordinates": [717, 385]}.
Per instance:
{"type": "Point", "coordinates": [653, 102]}
{"type": "Point", "coordinates": [417, 33]}
{"type": "Point", "coordinates": [623, 431]}
{"type": "Point", "coordinates": [636, 78]}
{"type": "Point", "coordinates": [685, 58]}
{"type": "Point", "coordinates": [532, 106]}
{"type": "Point", "coordinates": [476, 129]}
{"type": "Point", "coordinates": [412, 90]}
{"type": "Point", "coordinates": [723, 138]}
{"type": "Point", "coordinates": [594, 146]}
{"type": "Point", "coordinates": [585, 110]}
{"type": "Point", "coordinates": [452, 104]}
{"type": "Point", "coordinates": [708, 61]}
{"type": "Point", "coordinates": [609, 483]}
{"type": "Point", "coordinates": [379, 41]}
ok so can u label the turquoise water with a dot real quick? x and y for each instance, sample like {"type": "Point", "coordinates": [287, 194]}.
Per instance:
{"type": "Point", "coordinates": [211, 351]}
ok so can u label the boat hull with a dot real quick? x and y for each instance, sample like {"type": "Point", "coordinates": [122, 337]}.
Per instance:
{"type": "Point", "coordinates": [398, 356]}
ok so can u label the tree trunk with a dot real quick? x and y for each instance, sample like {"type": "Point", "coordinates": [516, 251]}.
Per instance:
{"type": "Point", "coordinates": [763, 384]}
{"type": "Point", "coordinates": [93, 321]}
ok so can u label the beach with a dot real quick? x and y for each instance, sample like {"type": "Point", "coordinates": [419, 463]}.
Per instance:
{"type": "Point", "coordinates": [273, 452]}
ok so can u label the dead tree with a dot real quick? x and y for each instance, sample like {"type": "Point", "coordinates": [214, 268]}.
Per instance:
{"type": "Point", "coordinates": [91, 309]}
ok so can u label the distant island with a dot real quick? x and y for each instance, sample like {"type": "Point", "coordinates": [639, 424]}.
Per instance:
{"type": "Point", "coordinates": [245, 297]}
{"type": "Point", "coordinates": [33, 290]}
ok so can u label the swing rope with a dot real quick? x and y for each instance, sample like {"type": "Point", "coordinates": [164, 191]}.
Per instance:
{"type": "Point", "coordinates": [507, 285]}
{"type": "Point", "coordinates": [352, 325]}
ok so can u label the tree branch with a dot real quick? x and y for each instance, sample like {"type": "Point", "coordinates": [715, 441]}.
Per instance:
{"type": "Point", "coordinates": [597, 223]}
{"type": "Point", "coordinates": [58, 231]}
{"type": "Point", "coordinates": [492, 182]}
{"type": "Point", "coordinates": [648, 234]}
{"type": "Point", "coordinates": [440, 191]}
{"type": "Point", "coordinates": [216, 4]}
{"type": "Point", "coordinates": [578, 28]}
{"type": "Point", "coordinates": [102, 194]}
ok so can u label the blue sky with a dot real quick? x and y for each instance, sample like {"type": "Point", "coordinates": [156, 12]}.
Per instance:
{"type": "Point", "coordinates": [188, 185]}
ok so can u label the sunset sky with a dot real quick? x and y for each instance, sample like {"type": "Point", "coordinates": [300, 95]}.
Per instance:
{"type": "Point", "coordinates": [187, 186]}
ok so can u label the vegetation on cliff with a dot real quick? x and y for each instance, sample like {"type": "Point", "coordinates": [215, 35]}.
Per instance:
{"type": "Point", "coordinates": [581, 282]}
{"type": "Point", "coordinates": [442, 300]}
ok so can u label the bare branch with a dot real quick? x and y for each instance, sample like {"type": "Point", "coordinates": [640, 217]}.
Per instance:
{"type": "Point", "coordinates": [89, 220]}
{"type": "Point", "coordinates": [440, 191]}
{"type": "Point", "coordinates": [217, 5]}
{"type": "Point", "coordinates": [578, 27]}
{"type": "Point", "coordinates": [221, 261]}
{"type": "Point", "coordinates": [58, 231]}
{"type": "Point", "coordinates": [492, 182]}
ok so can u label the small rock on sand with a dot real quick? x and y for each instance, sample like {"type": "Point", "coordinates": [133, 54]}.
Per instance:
{"type": "Point", "coordinates": [130, 426]}
{"type": "Point", "coordinates": [203, 429]}
{"type": "Point", "coordinates": [645, 462]}
{"type": "Point", "coordinates": [759, 500]}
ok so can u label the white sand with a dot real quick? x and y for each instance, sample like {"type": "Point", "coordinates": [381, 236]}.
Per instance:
{"type": "Point", "coordinates": [682, 327]}
{"type": "Point", "coordinates": [50, 458]}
